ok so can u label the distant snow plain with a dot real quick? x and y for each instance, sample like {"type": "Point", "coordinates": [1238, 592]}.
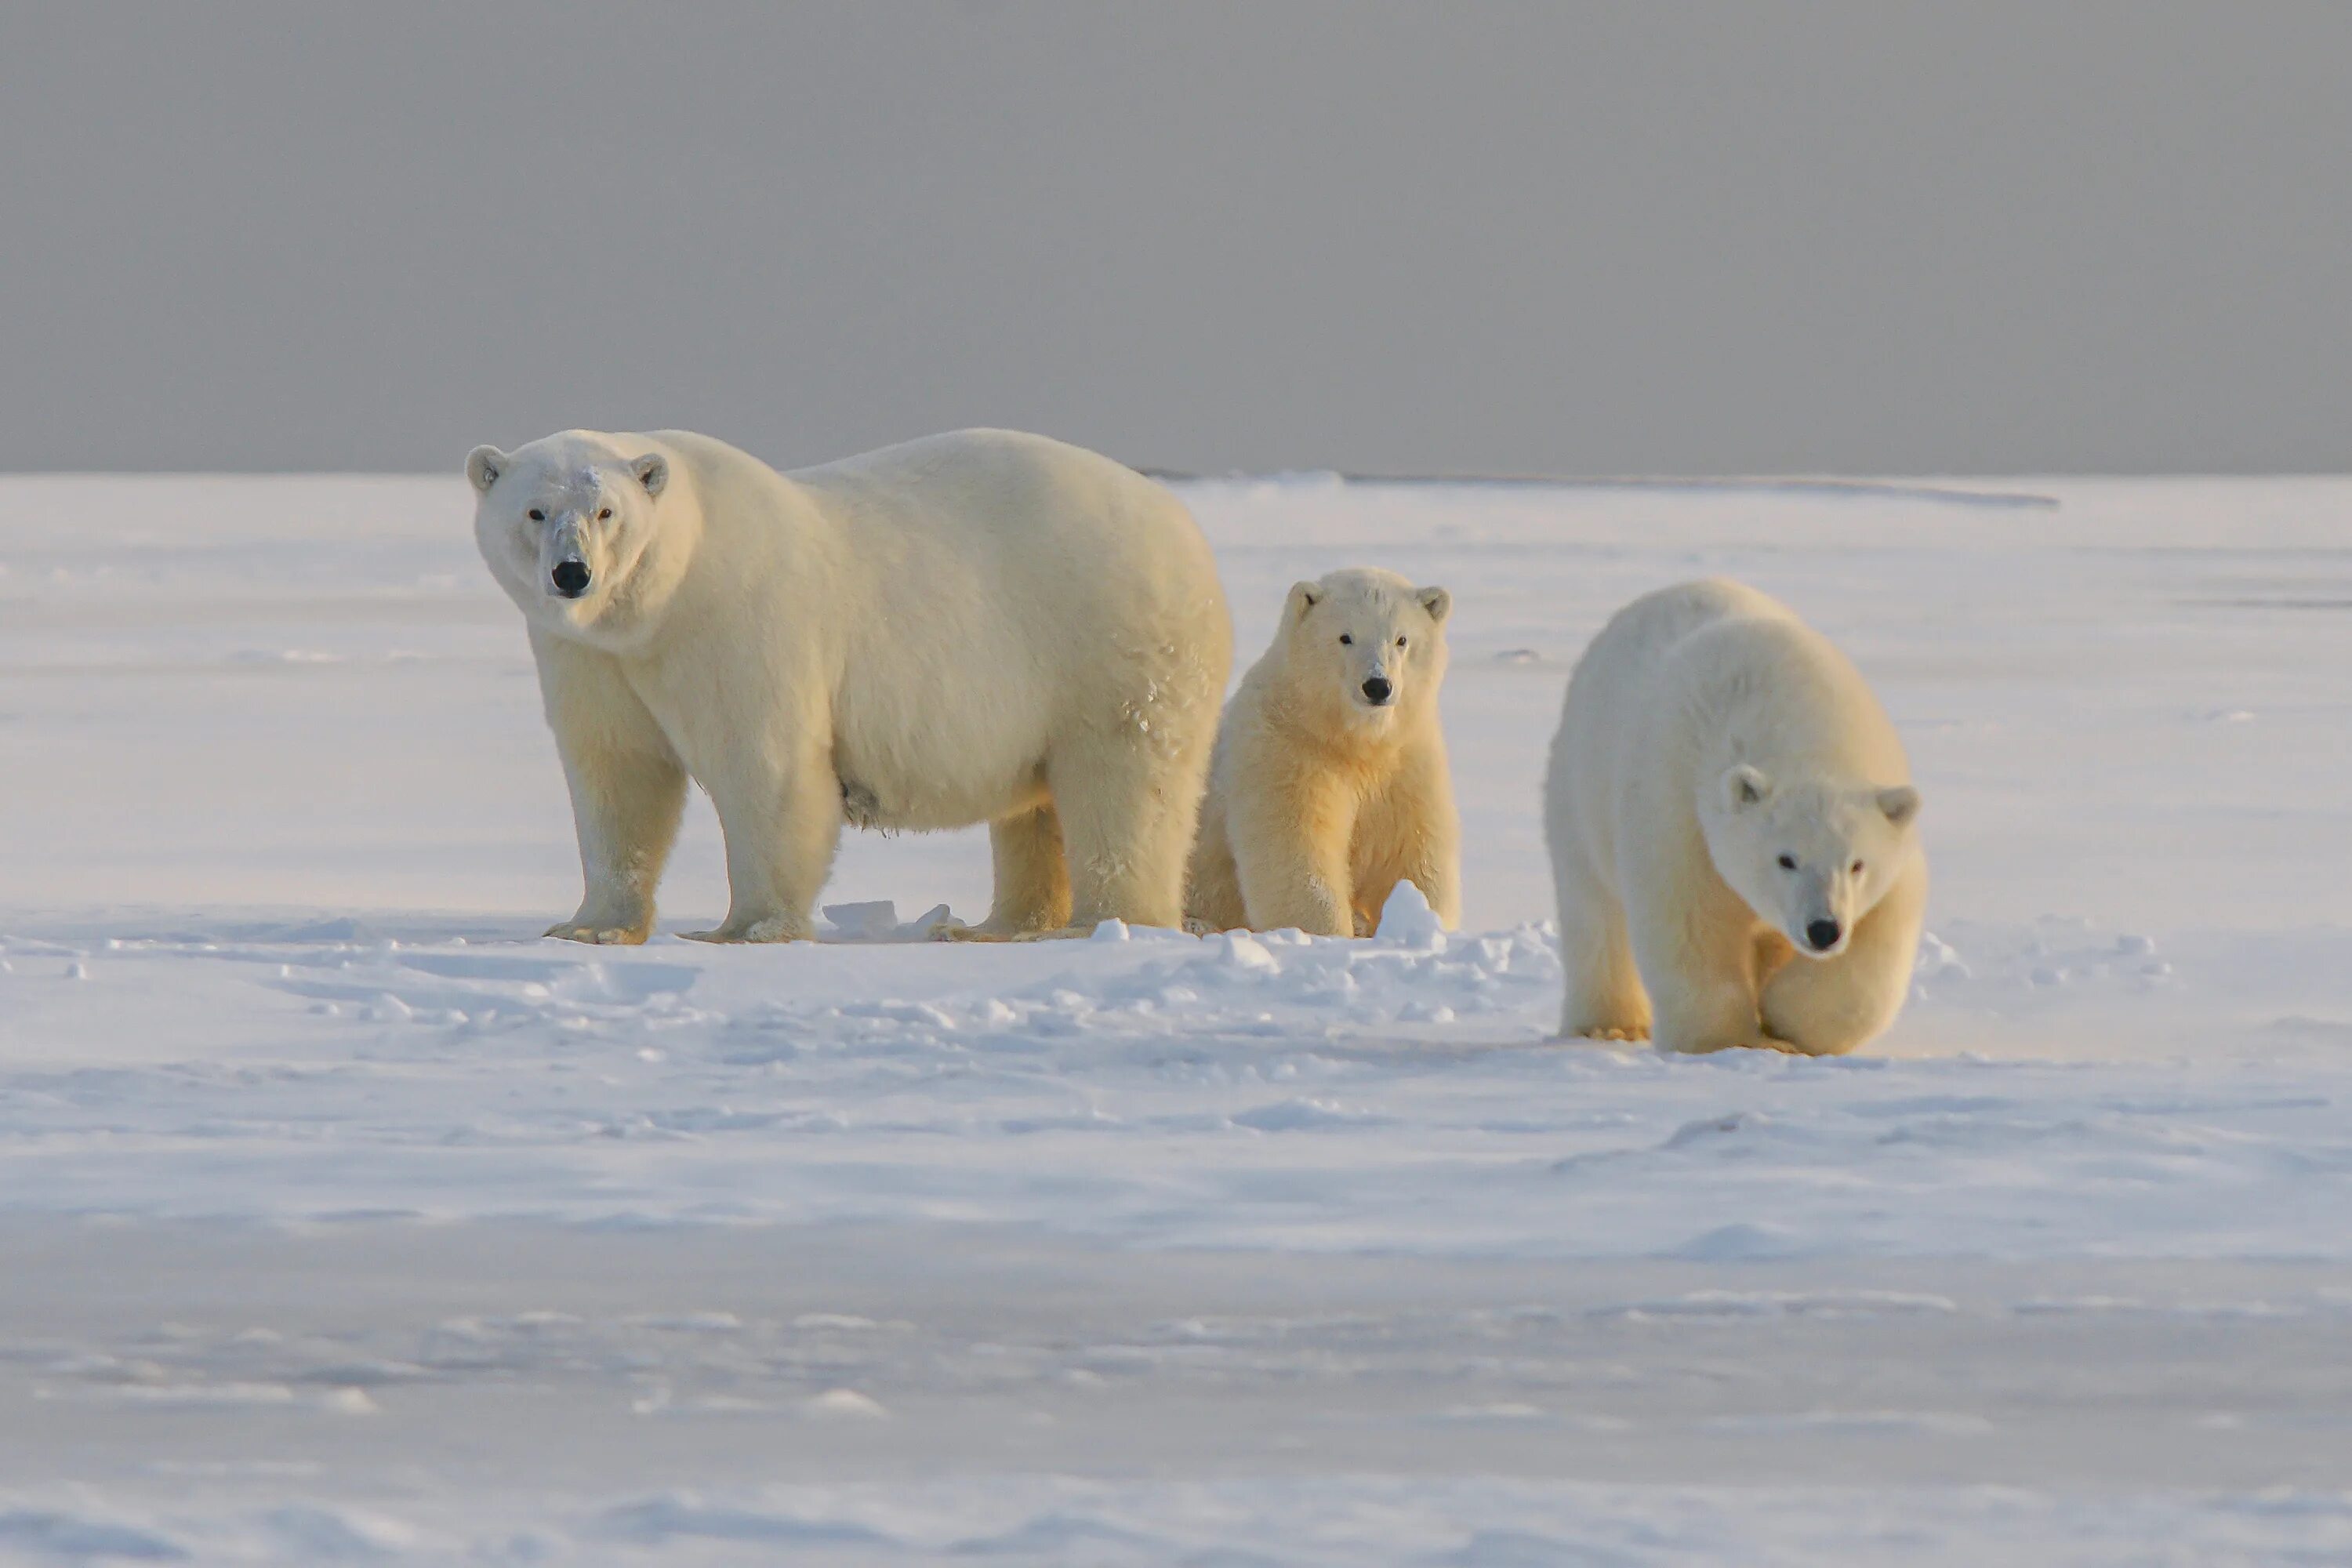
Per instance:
{"type": "Point", "coordinates": [341, 1220]}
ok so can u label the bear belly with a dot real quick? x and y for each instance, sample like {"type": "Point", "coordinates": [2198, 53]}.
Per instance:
{"type": "Point", "coordinates": [963, 803]}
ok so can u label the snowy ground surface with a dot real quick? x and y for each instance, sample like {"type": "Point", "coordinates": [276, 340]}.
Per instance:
{"type": "Point", "coordinates": [340, 1220]}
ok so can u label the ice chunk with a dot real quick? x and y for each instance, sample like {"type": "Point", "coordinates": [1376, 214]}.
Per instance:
{"type": "Point", "coordinates": [879, 917]}
{"type": "Point", "coordinates": [1407, 921]}
{"type": "Point", "coordinates": [1241, 950]}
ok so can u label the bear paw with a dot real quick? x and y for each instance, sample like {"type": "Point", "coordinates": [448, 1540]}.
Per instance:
{"type": "Point", "coordinates": [951, 931]}
{"type": "Point", "coordinates": [767, 928]}
{"type": "Point", "coordinates": [601, 935]}
{"type": "Point", "coordinates": [1708, 1047]}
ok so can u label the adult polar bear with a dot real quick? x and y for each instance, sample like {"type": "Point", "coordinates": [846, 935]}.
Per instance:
{"type": "Point", "coordinates": [980, 627]}
{"type": "Point", "coordinates": [1726, 795]}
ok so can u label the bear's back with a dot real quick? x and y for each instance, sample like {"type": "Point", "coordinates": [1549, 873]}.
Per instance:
{"type": "Point", "coordinates": [1686, 680]}
{"type": "Point", "coordinates": [1627, 676]}
{"type": "Point", "coordinates": [1768, 689]}
{"type": "Point", "coordinates": [1004, 478]}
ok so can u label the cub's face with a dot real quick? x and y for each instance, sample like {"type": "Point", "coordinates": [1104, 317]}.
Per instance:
{"type": "Point", "coordinates": [565, 525]}
{"type": "Point", "coordinates": [1365, 644]}
{"type": "Point", "coordinates": [1810, 857]}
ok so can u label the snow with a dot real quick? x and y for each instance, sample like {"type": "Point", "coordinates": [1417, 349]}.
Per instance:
{"type": "Point", "coordinates": [346, 1222]}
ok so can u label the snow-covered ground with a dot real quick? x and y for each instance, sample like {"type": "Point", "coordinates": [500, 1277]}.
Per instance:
{"type": "Point", "coordinates": [341, 1220]}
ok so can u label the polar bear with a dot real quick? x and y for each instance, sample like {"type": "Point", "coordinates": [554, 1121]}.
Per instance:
{"type": "Point", "coordinates": [1329, 784]}
{"type": "Point", "coordinates": [1732, 829]}
{"type": "Point", "coordinates": [980, 626]}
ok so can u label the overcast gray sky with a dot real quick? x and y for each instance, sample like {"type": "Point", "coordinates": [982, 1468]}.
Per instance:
{"type": "Point", "coordinates": [1984, 236]}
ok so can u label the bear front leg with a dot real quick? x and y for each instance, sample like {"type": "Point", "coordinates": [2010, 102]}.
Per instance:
{"type": "Point", "coordinates": [1290, 839]}
{"type": "Point", "coordinates": [1410, 832]}
{"type": "Point", "coordinates": [627, 789]}
{"type": "Point", "coordinates": [781, 833]}
{"type": "Point", "coordinates": [1828, 1006]}
{"type": "Point", "coordinates": [1601, 996]}
{"type": "Point", "coordinates": [1696, 962]}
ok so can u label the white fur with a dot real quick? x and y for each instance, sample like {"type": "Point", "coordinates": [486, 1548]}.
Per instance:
{"type": "Point", "coordinates": [1707, 734]}
{"type": "Point", "coordinates": [1321, 801]}
{"type": "Point", "coordinates": [980, 627]}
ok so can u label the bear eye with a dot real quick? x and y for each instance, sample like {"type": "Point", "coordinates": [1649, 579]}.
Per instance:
{"type": "Point", "coordinates": [536, 515]}
{"type": "Point", "coordinates": [605, 515]}
{"type": "Point", "coordinates": [1345, 641]}
{"type": "Point", "coordinates": [1857, 868]}
{"type": "Point", "coordinates": [1788, 862]}
{"type": "Point", "coordinates": [1399, 642]}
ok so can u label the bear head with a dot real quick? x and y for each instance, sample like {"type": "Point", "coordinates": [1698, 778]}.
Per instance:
{"type": "Point", "coordinates": [1810, 857]}
{"type": "Point", "coordinates": [574, 529]}
{"type": "Point", "coordinates": [1363, 646]}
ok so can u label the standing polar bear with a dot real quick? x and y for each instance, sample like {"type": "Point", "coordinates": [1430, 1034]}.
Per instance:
{"type": "Point", "coordinates": [980, 627]}
{"type": "Point", "coordinates": [1732, 830]}
{"type": "Point", "coordinates": [1329, 785]}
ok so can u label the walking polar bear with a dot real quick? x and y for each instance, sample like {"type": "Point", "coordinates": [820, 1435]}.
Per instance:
{"type": "Point", "coordinates": [1732, 829]}
{"type": "Point", "coordinates": [980, 627]}
{"type": "Point", "coordinates": [1329, 784]}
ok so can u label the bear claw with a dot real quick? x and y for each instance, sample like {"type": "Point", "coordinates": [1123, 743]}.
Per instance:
{"type": "Point", "coordinates": [604, 936]}
{"type": "Point", "coordinates": [948, 930]}
{"type": "Point", "coordinates": [774, 929]}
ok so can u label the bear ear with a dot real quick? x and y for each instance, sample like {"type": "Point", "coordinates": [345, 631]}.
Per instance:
{"type": "Point", "coordinates": [652, 471]}
{"type": "Point", "coordinates": [483, 466]}
{"type": "Point", "coordinates": [1900, 803]}
{"type": "Point", "coordinates": [1304, 596]}
{"type": "Point", "coordinates": [1437, 602]}
{"type": "Point", "coordinates": [1744, 787]}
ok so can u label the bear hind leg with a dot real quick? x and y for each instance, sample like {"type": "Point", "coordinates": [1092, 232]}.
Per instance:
{"type": "Point", "coordinates": [1128, 814]}
{"type": "Point", "coordinates": [1033, 877]}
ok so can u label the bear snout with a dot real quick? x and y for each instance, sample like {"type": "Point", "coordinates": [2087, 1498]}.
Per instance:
{"type": "Point", "coordinates": [570, 578]}
{"type": "Point", "coordinates": [1822, 934]}
{"type": "Point", "coordinates": [1377, 690]}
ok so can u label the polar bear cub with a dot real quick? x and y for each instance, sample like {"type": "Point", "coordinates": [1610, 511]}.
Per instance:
{"type": "Point", "coordinates": [980, 627]}
{"type": "Point", "coordinates": [1732, 829]}
{"type": "Point", "coordinates": [1330, 782]}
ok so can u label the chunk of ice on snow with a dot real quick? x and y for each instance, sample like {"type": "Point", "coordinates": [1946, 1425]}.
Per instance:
{"type": "Point", "coordinates": [877, 919]}
{"type": "Point", "coordinates": [1407, 921]}
{"type": "Point", "coordinates": [1113, 929]}
{"type": "Point", "coordinates": [1244, 951]}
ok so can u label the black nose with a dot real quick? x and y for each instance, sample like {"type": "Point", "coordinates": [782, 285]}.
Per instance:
{"type": "Point", "coordinates": [570, 578]}
{"type": "Point", "coordinates": [1822, 934]}
{"type": "Point", "coordinates": [1377, 690]}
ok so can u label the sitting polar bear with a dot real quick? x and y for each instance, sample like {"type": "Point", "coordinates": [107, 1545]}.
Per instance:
{"type": "Point", "coordinates": [1329, 785]}
{"type": "Point", "coordinates": [980, 627]}
{"type": "Point", "coordinates": [1731, 824]}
